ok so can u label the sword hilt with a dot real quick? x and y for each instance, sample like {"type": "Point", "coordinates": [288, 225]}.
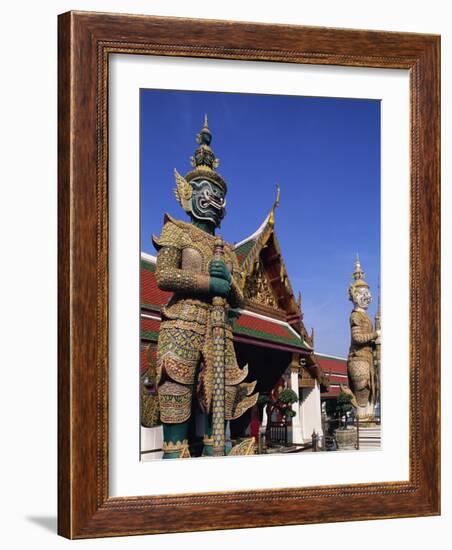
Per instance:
{"type": "Point", "coordinates": [218, 247]}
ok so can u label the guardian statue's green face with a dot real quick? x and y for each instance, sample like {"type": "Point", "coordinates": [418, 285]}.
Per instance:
{"type": "Point", "coordinates": [208, 201]}
{"type": "Point", "coordinates": [202, 192]}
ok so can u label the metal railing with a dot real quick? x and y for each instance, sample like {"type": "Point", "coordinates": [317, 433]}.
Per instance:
{"type": "Point", "coordinates": [277, 433]}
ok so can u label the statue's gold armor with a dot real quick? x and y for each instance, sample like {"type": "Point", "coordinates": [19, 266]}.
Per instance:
{"type": "Point", "coordinates": [185, 346]}
{"type": "Point", "coordinates": [360, 357]}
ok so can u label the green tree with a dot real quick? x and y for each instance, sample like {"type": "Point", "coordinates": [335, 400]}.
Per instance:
{"type": "Point", "coordinates": [288, 397]}
{"type": "Point", "coordinates": [263, 399]}
{"type": "Point", "coordinates": [331, 407]}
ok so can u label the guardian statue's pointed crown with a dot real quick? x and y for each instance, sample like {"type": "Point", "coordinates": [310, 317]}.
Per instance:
{"type": "Point", "coordinates": [358, 290]}
{"type": "Point", "coordinates": [204, 161]}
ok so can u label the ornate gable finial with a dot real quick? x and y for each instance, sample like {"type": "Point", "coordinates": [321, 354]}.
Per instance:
{"type": "Point", "coordinates": [271, 218]}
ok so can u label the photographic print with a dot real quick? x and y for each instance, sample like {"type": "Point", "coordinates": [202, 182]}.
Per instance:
{"type": "Point", "coordinates": [259, 274]}
{"type": "Point", "coordinates": [227, 194]}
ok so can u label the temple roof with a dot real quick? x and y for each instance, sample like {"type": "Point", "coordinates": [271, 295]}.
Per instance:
{"type": "Point", "coordinates": [335, 373]}
{"type": "Point", "coordinates": [262, 264]}
{"type": "Point", "coordinates": [266, 328]}
{"type": "Point", "coordinates": [251, 244]}
{"type": "Point", "coordinates": [332, 364]}
{"type": "Point", "coordinates": [151, 296]}
{"type": "Point", "coordinates": [250, 250]}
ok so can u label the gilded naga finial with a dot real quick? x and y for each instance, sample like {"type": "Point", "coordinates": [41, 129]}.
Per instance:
{"type": "Point", "coordinates": [275, 205]}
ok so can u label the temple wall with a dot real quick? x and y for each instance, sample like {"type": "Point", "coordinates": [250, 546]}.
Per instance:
{"type": "Point", "coordinates": [151, 438]}
{"type": "Point", "coordinates": [310, 413]}
{"type": "Point", "coordinates": [297, 432]}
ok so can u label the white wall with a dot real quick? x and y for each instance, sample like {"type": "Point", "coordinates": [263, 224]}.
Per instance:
{"type": "Point", "coordinates": [310, 412]}
{"type": "Point", "coordinates": [28, 267]}
{"type": "Point", "coordinates": [151, 439]}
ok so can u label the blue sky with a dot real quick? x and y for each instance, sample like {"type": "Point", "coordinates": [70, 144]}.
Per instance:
{"type": "Point", "coordinates": [325, 155]}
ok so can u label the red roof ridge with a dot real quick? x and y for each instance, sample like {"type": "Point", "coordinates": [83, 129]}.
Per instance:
{"type": "Point", "coordinates": [326, 356]}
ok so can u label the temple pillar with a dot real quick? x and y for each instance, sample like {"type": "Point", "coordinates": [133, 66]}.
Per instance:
{"type": "Point", "coordinates": [297, 436]}
{"type": "Point", "coordinates": [264, 419]}
{"type": "Point", "coordinates": [318, 412]}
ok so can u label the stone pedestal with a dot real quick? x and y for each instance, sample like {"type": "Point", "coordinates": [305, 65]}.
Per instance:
{"type": "Point", "coordinates": [370, 438]}
{"type": "Point", "coordinates": [346, 439]}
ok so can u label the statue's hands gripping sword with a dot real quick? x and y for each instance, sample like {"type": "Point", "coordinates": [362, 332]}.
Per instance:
{"type": "Point", "coordinates": [220, 277]}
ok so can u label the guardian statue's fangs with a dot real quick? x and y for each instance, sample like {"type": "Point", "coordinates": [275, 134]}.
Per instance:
{"type": "Point", "coordinates": [195, 354]}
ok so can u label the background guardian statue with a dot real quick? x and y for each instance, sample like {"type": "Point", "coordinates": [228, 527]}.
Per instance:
{"type": "Point", "coordinates": [361, 365]}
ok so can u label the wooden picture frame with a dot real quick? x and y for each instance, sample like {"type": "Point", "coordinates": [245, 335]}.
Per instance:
{"type": "Point", "coordinates": [86, 40]}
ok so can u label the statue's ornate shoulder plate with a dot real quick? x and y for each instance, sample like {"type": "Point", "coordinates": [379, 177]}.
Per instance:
{"type": "Point", "coordinates": [175, 233]}
{"type": "Point", "coordinates": [360, 319]}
